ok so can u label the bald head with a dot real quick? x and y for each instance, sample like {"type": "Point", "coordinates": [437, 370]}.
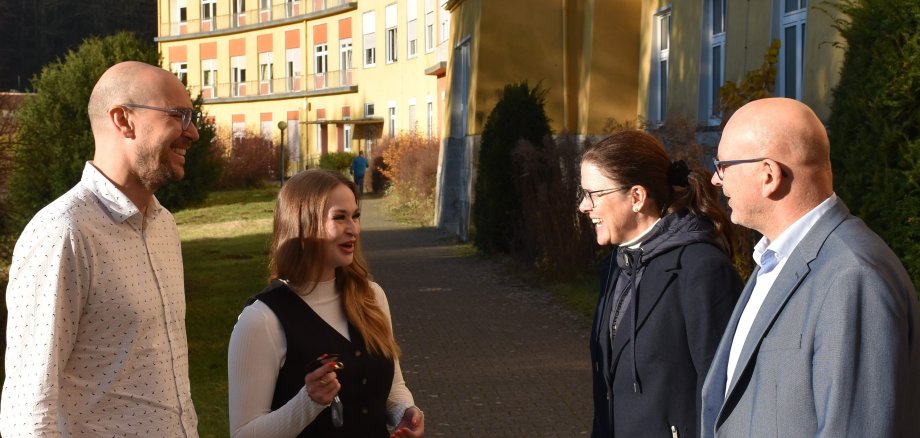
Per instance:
{"type": "Point", "coordinates": [126, 82]}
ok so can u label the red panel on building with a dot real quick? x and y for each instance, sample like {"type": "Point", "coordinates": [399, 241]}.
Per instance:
{"type": "Point", "coordinates": [293, 115]}
{"type": "Point", "coordinates": [292, 39]}
{"type": "Point", "coordinates": [319, 34]}
{"type": "Point", "coordinates": [265, 117]}
{"type": "Point", "coordinates": [320, 113]}
{"type": "Point", "coordinates": [346, 111]}
{"type": "Point", "coordinates": [264, 43]}
{"type": "Point", "coordinates": [345, 28]}
{"type": "Point", "coordinates": [178, 54]}
{"type": "Point", "coordinates": [238, 47]}
{"type": "Point", "coordinates": [208, 50]}
{"type": "Point", "coordinates": [239, 118]}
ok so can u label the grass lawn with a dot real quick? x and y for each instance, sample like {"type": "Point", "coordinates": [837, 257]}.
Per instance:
{"type": "Point", "coordinates": [225, 251]}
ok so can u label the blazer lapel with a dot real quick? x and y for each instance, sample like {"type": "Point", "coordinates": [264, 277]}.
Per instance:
{"type": "Point", "coordinates": [787, 282]}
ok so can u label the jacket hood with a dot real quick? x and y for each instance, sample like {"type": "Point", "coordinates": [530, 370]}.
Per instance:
{"type": "Point", "coordinates": [672, 231]}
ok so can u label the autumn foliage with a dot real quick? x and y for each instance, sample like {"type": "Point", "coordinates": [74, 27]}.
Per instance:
{"type": "Point", "coordinates": [411, 166]}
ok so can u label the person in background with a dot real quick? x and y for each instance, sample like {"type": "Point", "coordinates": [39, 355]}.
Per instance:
{"type": "Point", "coordinates": [358, 169]}
{"type": "Point", "coordinates": [667, 288]}
{"type": "Point", "coordinates": [321, 308]}
{"type": "Point", "coordinates": [95, 339]}
{"type": "Point", "coordinates": [825, 341]}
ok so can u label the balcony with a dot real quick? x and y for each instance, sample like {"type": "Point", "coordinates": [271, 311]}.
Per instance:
{"type": "Point", "coordinates": [254, 19]}
{"type": "Point", "coordinates": [321, 84]}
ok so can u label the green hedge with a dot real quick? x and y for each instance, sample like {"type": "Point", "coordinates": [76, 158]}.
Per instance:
{"type": "Point", "coordinates": [875, 122]}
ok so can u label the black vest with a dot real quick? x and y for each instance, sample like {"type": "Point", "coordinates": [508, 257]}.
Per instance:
{"type": "Point", "coordinates": [366, 379]}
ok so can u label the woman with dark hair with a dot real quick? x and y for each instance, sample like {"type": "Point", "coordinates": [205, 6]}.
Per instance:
{"type": "Point", "coordinates": [313, 354]}
{"type": "Point", "coordinates": [667, 289]}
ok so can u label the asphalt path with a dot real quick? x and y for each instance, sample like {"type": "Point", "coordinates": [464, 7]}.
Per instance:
{"type": "Point", "coordinates": [484, 354]}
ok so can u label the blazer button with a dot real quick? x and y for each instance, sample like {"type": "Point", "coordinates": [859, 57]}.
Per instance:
{"type": "Point", "coordinates": [364, 381]}
{"type": "Point", "coordinates": [358, 353]}
{"type": "Point", "coordinates": [364, 411]}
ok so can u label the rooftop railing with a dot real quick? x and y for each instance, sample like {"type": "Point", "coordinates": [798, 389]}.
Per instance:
{"type": "Point", "coordinates": [249, 17]}
{"type": "Point", "coordinates": [276, 86]}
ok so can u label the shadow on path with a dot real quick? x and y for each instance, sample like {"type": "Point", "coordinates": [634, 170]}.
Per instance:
{"type": "Point", "coordinates": [484, 355]}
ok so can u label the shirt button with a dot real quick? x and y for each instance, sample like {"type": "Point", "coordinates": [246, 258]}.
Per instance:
{"type": "Point", "coordinates": [358, 353]}
{"type": "Point", "coordinates": [364, 381]}
{"type": "Point", "coordinates": [364, 411]}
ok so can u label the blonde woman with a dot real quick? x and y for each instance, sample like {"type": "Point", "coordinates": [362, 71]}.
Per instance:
{"type": "Point", "coordinates": [313, 354]}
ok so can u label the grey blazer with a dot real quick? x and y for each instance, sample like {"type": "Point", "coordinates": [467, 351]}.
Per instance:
{"type": "Point", "coordinates": [834, 350]}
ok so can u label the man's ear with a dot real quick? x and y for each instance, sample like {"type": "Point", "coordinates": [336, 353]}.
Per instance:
{"type": "Point", "coordinates": [118, 116]}
{"type": "Point", "coordinates": [772, 178]}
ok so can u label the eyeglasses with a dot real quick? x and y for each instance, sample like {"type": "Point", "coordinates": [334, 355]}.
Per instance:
{"type": "Point", "coordinates": [187, 115]}
{"type": "Point", "coordinates": [721, 165]}
{"type": "Point", "coordinates": [592, 194]}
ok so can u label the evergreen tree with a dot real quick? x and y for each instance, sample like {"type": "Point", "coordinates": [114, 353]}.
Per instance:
{"type": "Point", "coordinates": [497, 216]}
{"type": "Point", "coordinates": [875, 122]}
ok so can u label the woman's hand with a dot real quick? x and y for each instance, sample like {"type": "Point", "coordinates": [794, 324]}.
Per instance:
{"type": "Point", "coordinates": [322, 384]}
{"type": "Point", "coordinates": [412, 424]}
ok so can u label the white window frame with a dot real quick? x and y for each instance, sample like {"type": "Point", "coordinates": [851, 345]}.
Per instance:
{"type": "Point", "coordinates": [791, 20]}
{"type": "Point", "coordinates": [289, 7]}
{"type": "Point", "coordinates": [209, 11]}
{"type": "Point", "coordinates": [412, 117]}
{"type": "Point", "coordinates": [209, 76]}
{"type": "Point", "coordinates": [370, 39]}
{"type": "Point", "coordinates": [658, 86]}
{"type": "Point", "coordinates": [320, 64]}
{"type": "Point", "coordinates": [180, 69]}
{"type": "Point", "coordinates": [391, 111]}
{"type": "Point", "coordinates": [390, 21]}
{"type": "Point", "coordinates": [292, 68]}
{"type": "Point", "coordinates": [181, 8]}
{"type": "Point", "coordinates": [713, 61]}
{"type": "Point", "coordinates": [237, 12]}
{"type": "Point", "coordinates": [237, 75]}
{"type": "Point", "coordinates": [347, 132]}
{"type": "Point", "coordinates": [443, 23]}
{"type": "Point", "coordinates": [345, 60]}
{"type": "Point", "coordinates": [411, 29]}
{"type": "Point", "coordinates": [430, 117]}
{"type": "Point", "coordinates": [369, 109]}
{"type": "Point", "coordinates": [429, 26]}
{"type": "Point", "coordinates": [266, 70]}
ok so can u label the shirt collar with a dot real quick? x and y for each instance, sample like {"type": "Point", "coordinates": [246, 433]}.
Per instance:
{"type": "Point", "coordinates": [636, 241]}
{"type": "Point", "coordinates": [786, 242]}
{"type": "Point", "coordinates": [114, 200]}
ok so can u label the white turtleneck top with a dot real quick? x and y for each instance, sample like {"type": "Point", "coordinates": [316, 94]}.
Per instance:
{"type": "Point", "coordinates": [255, 357]}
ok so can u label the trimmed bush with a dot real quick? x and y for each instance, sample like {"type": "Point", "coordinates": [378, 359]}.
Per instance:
{"type": "Point", "coordinates": [411, 165]}
{"type": "Point", "coordinates": [250, 161]}
{"type": "Point", "coordinates": [338, 161]}
{"type": "Point", "coordinates": [875, 122]}
{"type": "Point", "coordinates": [497, 215]}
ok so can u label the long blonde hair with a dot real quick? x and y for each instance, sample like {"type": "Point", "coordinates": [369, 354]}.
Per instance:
{"type": "Point", "coordinates": [297, 252]}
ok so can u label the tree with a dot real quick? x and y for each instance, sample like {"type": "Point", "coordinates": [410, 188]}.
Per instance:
{"type": "Point", "coordinates": [203, 167]}
{"type": "Point", "coordinates": [875, 122]}
{"type": "Point", "coordinates": [518, 115]}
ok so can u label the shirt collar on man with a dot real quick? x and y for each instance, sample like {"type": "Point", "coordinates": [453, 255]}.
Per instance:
{"type": "Point", "coordinates": [785, 243]}
{"type": "Point", "coordinates": [118, 205]}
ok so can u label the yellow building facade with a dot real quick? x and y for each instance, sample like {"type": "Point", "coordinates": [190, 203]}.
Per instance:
{"type": "Point", "coordinates": [340, 74]}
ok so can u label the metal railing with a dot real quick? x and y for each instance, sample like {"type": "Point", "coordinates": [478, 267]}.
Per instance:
{"type": "Point", "coordinates": [290, 84]}
{"type": "Point", "coordinates": [249, 17]}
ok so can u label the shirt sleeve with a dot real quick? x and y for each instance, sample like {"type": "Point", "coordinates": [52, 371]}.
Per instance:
{"type": "Point", "coordinates": [45, 298]}
{"type": "Point", "coordinates": [255, 356]}
{"type": "Point", "coordinates": [400, 397]}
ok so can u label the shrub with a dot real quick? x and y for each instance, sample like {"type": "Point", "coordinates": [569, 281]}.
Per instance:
{"type": "Point", "coordinates": [338, 161]}
{"type": "Point", "coordinates": [497, 214]}
{"type": "Point", "coordinates": [54, 139]}
{"type": "Point", "coordinates": [412, 167]}
{"type": "Point", "coordinates": [250, 161]}
{"type": "Point", "coordinates": [875, 122]}
{"type": "Point", "coordinates": [377, 173]}
{"type": "Point", "coordinates": [562, 240]}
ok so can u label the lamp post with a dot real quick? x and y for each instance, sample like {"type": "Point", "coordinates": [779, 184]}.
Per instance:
{"type": "Point", "coordinates": [282, 125]}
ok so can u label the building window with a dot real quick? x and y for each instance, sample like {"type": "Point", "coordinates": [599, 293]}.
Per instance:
{"type": "Point", "coordinates": [658, 102]}
{"type": "Point", "coordinates": [292, 69]}
{"type": "Point", "coordinates": [208, 11]}
{"type": "Point", "coordinates": [321, 61]}
{"type": "Point", "coordinates": [413, 123]}
{"type": "Point", "coordinates": [412, 28]}
{"type": "Point", "coordinates": [208, 78]}
{"type": "Point", "coordinates": [238, 76]}
{"type": "Point", "coordinates": [429, 25]}
{"type": "Point", "coordinates": [180, 69]}
{"type": "Point", "coordinates": [714, 60]}
{"type": "Point", "coordinates": [238, 12]}
{"type": "Point", "coordinates": [392, 111]}
{"type": "Point", "coordinates": [390, 26]}
{"type": "Point", "coordinates": [266, 63]}
{"type": "Point", "coordinates": [347, 137]}
{"type": "Point", "coordinates": [793, 14]}
{"type": "Point", "coordinates": [368, 110]}
{"type": "Point", "coordinates": [370, 40]}
{"type": "Point", "coordinates": [265, 5]}
{"type": "Point", "coordinates": [444, 22]}
{"type": "Point", "coordinates": [345, 61]}
{"type": "Point", "coordinates": [291, 7]}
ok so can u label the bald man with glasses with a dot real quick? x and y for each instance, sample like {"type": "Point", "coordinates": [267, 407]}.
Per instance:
{"type": "Point", "coordinates": [825, 339]}
{"type": "Point", "coordinates": [96, 341]}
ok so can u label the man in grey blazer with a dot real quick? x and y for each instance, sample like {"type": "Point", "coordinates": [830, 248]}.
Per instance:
{"type": "Point", "coordinates": [825, 339]}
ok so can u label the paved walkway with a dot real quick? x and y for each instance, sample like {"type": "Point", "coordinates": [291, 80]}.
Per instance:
{"type": "Point", "coordinates": [484, 355]}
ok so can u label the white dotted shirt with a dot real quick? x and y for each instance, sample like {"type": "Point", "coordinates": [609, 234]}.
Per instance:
{"type": "Point", "coordinates": [96, 342]}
